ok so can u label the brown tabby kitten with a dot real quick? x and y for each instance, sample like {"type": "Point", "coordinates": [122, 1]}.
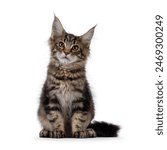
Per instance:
{"type": "Point", "coordinates": [66, 106]}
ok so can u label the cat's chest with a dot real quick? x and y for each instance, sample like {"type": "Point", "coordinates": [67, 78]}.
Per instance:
{"type": "Point", "coordinates": [66, 94]}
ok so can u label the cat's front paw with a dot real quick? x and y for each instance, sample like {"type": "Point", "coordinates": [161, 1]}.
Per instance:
{"type": "Point", "coordinates": [51, 134]}
{"type": "Point", "coordinates": [88, 133]}
{"type": "Point", "coordinates": [44, 133]}
{"type": "Point", "coordinates": [58, 134]}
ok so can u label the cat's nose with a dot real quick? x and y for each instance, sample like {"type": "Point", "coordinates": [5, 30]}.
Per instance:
{"type": "Point", "coordinates": [66, 52]}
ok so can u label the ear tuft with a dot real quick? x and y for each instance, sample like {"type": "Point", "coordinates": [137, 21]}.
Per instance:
{"type": "Point", "coordinates": [86, 38]}
{"type": "Point", "coordinates": [57, 28]}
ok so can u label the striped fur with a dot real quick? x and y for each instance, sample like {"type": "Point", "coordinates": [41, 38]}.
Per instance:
{"type": "Point", "coordinates": [66, 106]}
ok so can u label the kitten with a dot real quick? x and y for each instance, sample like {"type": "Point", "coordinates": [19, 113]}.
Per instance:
{"type": "Point", "coordinates": [66, 106]}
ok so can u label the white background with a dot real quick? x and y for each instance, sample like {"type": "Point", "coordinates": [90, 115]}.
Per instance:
{"type": "Point", "coordinates": [120, 69]}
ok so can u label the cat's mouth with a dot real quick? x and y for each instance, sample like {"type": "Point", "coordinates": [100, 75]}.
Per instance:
{"type": "Point", "coordinates": [65, 57]}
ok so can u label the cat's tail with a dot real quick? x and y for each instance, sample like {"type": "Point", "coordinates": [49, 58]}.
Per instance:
{"type": "Point", "coordinates": [104, 129]}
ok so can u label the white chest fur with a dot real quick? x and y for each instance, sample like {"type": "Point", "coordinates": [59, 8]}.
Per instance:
{"type": "Point", "coordinates": [67, 94]}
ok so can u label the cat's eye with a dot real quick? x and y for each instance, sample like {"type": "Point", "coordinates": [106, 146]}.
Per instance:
{"type": "Point", "coordinates": [61, 44]}
{"type": "Point", "coordinates": [75, 48]}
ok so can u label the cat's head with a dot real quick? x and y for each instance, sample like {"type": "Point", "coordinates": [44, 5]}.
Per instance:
{"type": "Point", "coordinates": [68, 48]}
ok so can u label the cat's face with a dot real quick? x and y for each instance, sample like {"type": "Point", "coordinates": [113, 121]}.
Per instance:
{"type": "Point", "coordinates": [68, 48]}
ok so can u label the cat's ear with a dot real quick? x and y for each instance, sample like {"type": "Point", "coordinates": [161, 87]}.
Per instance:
{"type": "Point", "coordinates": [57, 28]}
{"type": "Point", "coordinates": [86, 38]}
